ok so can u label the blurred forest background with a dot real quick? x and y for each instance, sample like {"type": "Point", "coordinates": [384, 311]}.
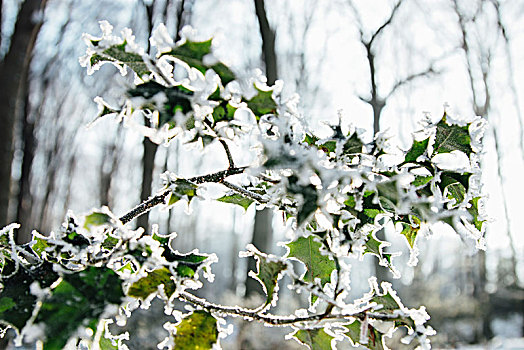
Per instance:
{"type": "Point", "coordinates": [380, 65]}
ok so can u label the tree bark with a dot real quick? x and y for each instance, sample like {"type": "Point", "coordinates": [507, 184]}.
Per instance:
{"type": "Point", "coordinates": [262, 229]}
{"type": "Point", "coordinates": [13, 79]}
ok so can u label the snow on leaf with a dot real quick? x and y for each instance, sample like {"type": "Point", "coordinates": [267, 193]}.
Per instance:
{"type": "Point", "coordinates": [199, 330]}
{"type": "Point", "coordinates": [149, 284]}
{"type": "Point", "coordinates": [315, 339]}
{"type": "Point", "coordinates": [449, 138]}
{"type": "Point", "coordinates": [375, 340]}
{"type": "Point", "coordinates": [318, 265]}
{"type": "Point", "coordinates": [236, 198]}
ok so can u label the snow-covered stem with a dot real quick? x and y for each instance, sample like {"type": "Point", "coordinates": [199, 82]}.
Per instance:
{"type": "Point", "coordinates": [245, 193]}
{"type": "Point", "coordinates": [274, 320]}
{"type": "Point", "coordinates": [160, 198]}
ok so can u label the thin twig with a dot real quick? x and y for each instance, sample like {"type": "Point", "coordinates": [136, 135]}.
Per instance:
{"type": "Point", "coordinates": [228, 153]}
{"type": "Point", "coordinates": [145, 206]}
{"type": "Point", "coordinates": [274, 320]}
{"type": "Point", "coordinates": [160, 198]}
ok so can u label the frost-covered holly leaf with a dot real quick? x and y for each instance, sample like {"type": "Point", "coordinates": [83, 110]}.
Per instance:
{"type": "Point", "coordinates": [375, 340]}
{"type": "Point", "coordinates": [388, 195]}
{"type": "Point", "coordinates": [224, 112]}
{"type": "Point", "coordinates": [309, 195]}
{"type": "Point", "coordinates": [199, 330]}
{"type": "Point", "coordinates": [449, 138]}
{"type": "Point", "coordinates": [410, 229]}
{"type": "Point", "coordinates": [178, 99]}
{"type": "Point", "coordinates": [118, 55]}
{"type": "Point", "coordinates": [454, 185]}
{"type": "Point", "coordinates": [78, 299]}
{"type": "Point", "coordinates": [421, 181]}
{"type": "Point", "coordinates": [149, 284]}
{"type": "Point", "coordinates": [96, 218]}
{"type": "Point", "coordinates": [449, 177]}
{"type": "Point", "coordinates": [193, 53]}
{"type": "Point", "coordinates": [235, 198]}
{"type": "Point", "coordinates": [353, 145]}
{"type": "Point", "coordinates": [417, 149]}
{"type": "Point", "coordinates": [182, 188]}
{"type": "Point", "coordinates": [39, 245]}
{"type": "Point", "coordinates": [318, 265]}
{"type": "Point", "coordinates": [474, 211]}
{"type": "Point", "coordinates": [375, 247]}
{"type": "Point", "coordinates": [262, 103]}
{"type": "Point", "coordinates": [268, 273]}
{"type": "Point", "coordinates": [188, 264]}
{"type": "Point", "coordinates": [17, 303]}
{"type": "Point", "coordinates": [386, 303]}
{"type": "Point", "coordinates": [315, 339]}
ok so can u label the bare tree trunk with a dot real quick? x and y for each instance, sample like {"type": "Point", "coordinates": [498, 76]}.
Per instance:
{"type": "Point", "coordinates": [262, 229]}
{"type": "Point", "coordinates": [13, 79]}
{"type": "Point", "coordinates": [24, 205]}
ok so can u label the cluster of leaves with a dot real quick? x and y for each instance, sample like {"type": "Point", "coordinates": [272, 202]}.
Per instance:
{"type": "Point", "coordinates": [336, 193]}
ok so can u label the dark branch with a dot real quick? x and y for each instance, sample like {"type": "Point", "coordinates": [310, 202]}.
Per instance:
{"type": "Point", "coordinates": [160, 198]}
{"type": "Point", "coordinates": [387, 23]}
{"type": "Point", "coordinates": [426, 73]}
{"type": "Point", "coordinates": [228, 153]}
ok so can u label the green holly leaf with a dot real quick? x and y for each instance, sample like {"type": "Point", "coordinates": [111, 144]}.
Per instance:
{"type": "Point", "coordinates": [193, 52]}
{"type": "Point", "coordinates": [310, 140]}
{"type": "Point", "coordinates": [474, 211]}
{"type": "Point", "coordinates": [199, 330]}
{"type": "Point", "coordinates": [147, 285]}
{"type": "Point", "coordinates": [375, 339]}
{"type": "Point", "coordinates": [17, 303]}
{"type": "Point", "coordinates": [328, 146]}
{"type": "Point", "coordinates": [315, 339]}
{"type": "Point", "coordinates": [78, 299]}
{"type": "Point", "coordinates": [318, 265]}
{"type": "Point", "coordinates": [262, 103]}
{"type": "Point", "coordinates": [450, 138]}
{"type": "Point", "coordinates": [224, 111]}
{"type": "Point", "coordinates": [188, 264]}
{"type": "Point", "coordinates": [353, 145]}
{"type": "Point", "coordinates": [96, 218]}
{"type": "Point", "coordinates": [235, 198]}
{"type": "Point", "coordinates": [268, 273]}
{"type": "Point", "coordinates": [417, 149]}
{"type": "Point", "coordinates": [181, 188]}
{"type": "Point", "coordinates": [385, 303]}
{"type": "Point", "coordinates": [226, 75]}
{"type": "Point", "coordinates": [178, 99]}
{"type": "Point", "coordinates": [309, 195]}
{"type": "Point", "coordinates": [410, 229]}
{"type": "Point", "coordinates": [421, 181]}
{"type": "Point", "coordinates": [375, 246]}
{"type": "Point", "coordinates": [39, 245]}
{"type": "Point", "coordinates": [388, 195]}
